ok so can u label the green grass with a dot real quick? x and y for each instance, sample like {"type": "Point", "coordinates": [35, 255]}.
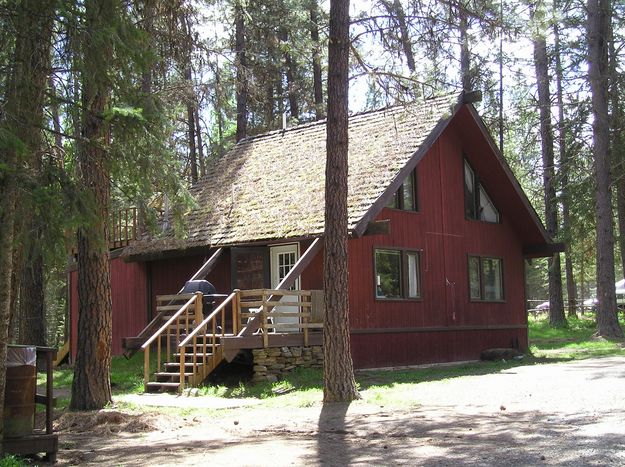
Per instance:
{"type": "Point", "coordinates": [12, 461]}
{"type": "Point", "coordinates": [304, 387]}
{"type": "Point", "coordinates": [574, 341]}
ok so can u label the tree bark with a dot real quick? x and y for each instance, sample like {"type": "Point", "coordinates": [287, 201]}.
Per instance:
{"type": "Point", "coordinates": [21, 119]}
{"type": "Point", "coordinates": [200, 146]}
{"type": "Point", "coordinates": [317, 79]}
{"type": "Point", "coordinates": [338, 374]}
{"type": "Point", "coordinates": [556, 305]}
{"type": "Point", "coordinates": [91, 388]}
{"type": "Point", "coordinates": [465, 52]}
{"type": "Point", "coordinates": [599, 16]}
{"type": "Point", "coordinates": [191, 97]}
{"type": "Point", "coordinates": [289, 69]}
{"type": "Point", "coordinates": [241, 66]}
{"type": "Point", "coordinates": [396, 10]}
{"type": "Point", "coordinates": [617, 124]}
{"type": "Point", "coordinates": [565, 167]}
{"type": "Point", "coordinates": [32, 301]}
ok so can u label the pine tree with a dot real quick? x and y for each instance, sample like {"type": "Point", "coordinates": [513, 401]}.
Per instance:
{"type": "Point", "coordinates": [338, 372]}
{"type": "Point", "coordinates": [599, 15]}
{"type": "Point", "coordinates": [20, 139]}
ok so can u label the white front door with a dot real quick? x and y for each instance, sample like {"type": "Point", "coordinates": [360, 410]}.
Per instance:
{"type": "Point", "coordinates": [283, 258]}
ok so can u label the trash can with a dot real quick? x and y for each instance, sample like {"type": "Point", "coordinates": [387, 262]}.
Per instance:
{"type": "Point", "coordinates": [20, 389]}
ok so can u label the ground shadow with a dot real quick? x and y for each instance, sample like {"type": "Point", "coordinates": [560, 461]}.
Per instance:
{"type": "Point", "coordinates": [332, 431]}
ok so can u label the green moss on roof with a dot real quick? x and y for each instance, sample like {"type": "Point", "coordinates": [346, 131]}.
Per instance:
{"type": "Point", "coordinates": [272, 186]}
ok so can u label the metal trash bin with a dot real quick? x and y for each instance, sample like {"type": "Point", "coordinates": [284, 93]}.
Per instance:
{"type": "Point", "coordinates": [20, 389]}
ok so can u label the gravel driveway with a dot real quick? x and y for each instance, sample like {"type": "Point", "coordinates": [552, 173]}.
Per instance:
{"type": "Point", "coordinates": [553, 414]}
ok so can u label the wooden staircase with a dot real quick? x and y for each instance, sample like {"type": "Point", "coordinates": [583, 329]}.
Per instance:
{"type": "Point", "coordinates": [189, 346]}
{"type": "Point", "coordinates": [190, 342]}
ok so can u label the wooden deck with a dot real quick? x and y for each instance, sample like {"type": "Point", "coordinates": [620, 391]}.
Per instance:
{"type": "Point", "coordinates": [194, 343]}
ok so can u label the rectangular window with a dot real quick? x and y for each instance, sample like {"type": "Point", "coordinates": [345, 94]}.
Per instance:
{"type": "Point", "coordinates": [485, 279]}
{"type": "Point", "coordinates": [397, 274]}
{"type": "Point", "coordinates": [477, 203]}
{"type": "Point", "coordinates": [405, 197]}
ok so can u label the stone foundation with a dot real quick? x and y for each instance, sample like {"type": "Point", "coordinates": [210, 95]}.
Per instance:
{"type": "Point", "coordinates": [273, 362]}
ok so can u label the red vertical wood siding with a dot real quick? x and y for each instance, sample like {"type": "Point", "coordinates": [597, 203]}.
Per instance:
{"type": "Point", "coordinates": [445, 238]}
{"type": "Point", "coordinates": [168, 276]}
{"type": "Point", "coordinates": [129, 300]}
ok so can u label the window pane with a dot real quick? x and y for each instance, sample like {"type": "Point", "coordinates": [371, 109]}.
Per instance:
{"type": "Point", "coordinates": [488, 212]}
{"type": "Point", "coordinates": [413, 276]}
{"type": "Point", "coordinates": [493, 286]}
{"type": "Point", "coordinates": [474, 278]}
{"type": "Point", "coordinates": [408, 199]}
{"type": "Point", "coordinates": [393, 202]}
{"type": "Point", "coordinates": [469, 192]}
{"type": "Point", "coordinates": [388, 274]}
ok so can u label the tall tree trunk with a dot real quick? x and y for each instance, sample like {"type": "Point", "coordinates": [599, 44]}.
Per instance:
{"type": "Point", "coordinates": [191, 142]}
{"type": "Point", "coordinates": [317, 79]}
{"type": "Point", "coordinates": [91, 388]}
{"type": "Point", "coordinates": [465, 52]}
{"type": "Point", "coordinates": [190, 95]}
{"type": "Point", "coordinates": [147, 79]}
{"type": "Point", "coordinates": [618, 147]}
{"type": "Point", "coordinates": [219, 110]}
{"type": "Point", "coordinates": [599, 16]}
{"type": "Point", "coordinates": [289, 69]}
{"type": "Point", "coordinates": [241, 65]}
{"type": "Point", "coordinates": [22, 116]}
{"type": "Point", "coordinates": [32, 306]}
{"type": "Point", "coordinates": [338, 374]}
{"type": "Point", "coordinates": [556, 305]}
{"type": "Point", "coordinates": [565, 167]}
{"type": "Point", "coordinates": [200, 146]}
{"type": "Point", "coordinates": [396, 10]}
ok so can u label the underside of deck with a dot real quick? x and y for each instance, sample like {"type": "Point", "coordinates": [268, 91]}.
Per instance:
{"type": "Point", "coordinates": [233, 344]}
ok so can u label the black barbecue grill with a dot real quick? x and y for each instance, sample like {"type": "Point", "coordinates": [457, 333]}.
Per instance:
{"type": "Point", "coordinates": [209, 294]}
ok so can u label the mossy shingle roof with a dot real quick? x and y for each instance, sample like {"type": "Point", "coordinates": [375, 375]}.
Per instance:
{"type": "Point", "coordinates": [272, 186]}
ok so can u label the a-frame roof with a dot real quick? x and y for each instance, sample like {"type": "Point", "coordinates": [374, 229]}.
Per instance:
{"type": "Point", "coordinates": [271, 187]}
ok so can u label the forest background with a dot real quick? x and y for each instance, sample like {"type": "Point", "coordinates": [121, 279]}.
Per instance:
{"type": "Point", "coordinates": [107, 105]}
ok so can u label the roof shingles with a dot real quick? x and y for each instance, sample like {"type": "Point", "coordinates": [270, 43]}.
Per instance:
{"type": "Point", "coordinates": [272, 186]}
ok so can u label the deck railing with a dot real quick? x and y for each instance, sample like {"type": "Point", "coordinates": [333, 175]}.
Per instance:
{"type": "Point", "coordinates": [182, 319]}
{"type": "Point", "coordinates": [276, 304]}
{"type": "Point", "coordinates": [122, 227]}
{"type": "Point", "coordinates": [203, 341]}
{"type": "Point", "coordinates": [197, 341]}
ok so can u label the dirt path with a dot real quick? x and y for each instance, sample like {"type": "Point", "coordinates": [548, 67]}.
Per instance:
{"type": "Point", "coordinates": [556, 414]}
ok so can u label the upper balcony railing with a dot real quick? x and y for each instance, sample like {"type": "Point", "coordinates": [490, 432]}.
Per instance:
{"type": "Point", "coordinates": [122, 227]}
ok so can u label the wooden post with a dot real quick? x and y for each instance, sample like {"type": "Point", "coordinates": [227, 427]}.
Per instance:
{"type": "Point", "coordinates": [236, 312]}
{"type": "Point", "coordinates": [49, 391]}
{"type": "Point", "coordinates": [263, 319]}
{"type": "Point", "coordinates": [182, 369]}
{"type": "Point", "coordinates": [305, 313]}
{"type": "Point", "coordinates": [159, 351]}
{"type": "Point", "coordinates": [146, 367]}
{"type": "Point", "coordinates": [198, 308]}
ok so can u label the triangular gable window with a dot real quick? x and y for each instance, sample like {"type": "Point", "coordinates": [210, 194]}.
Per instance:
{"type": "Point", "coordinates": [405, 198]}
{"type": "Point", "coordinates": [477, 203]}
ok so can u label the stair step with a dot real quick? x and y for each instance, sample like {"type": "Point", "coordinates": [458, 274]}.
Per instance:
{"type": "Point", "coordinates": [155, 386]}
{"type": "Point", "coordinates": [177, 365]}
{"type": "Point", "coordinates": [171, 374]}
{"type": "Point", "coordinates": [188, 356]}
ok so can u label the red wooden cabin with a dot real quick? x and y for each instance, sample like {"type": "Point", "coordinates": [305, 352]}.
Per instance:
{"type": "Point", "coordinates": [439, 232]}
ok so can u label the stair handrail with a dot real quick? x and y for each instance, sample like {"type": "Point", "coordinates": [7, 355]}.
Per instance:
{"type": "Point", "coordinates": [193, 336]}
{"type": "Point", "coordinates": [146, 345]}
